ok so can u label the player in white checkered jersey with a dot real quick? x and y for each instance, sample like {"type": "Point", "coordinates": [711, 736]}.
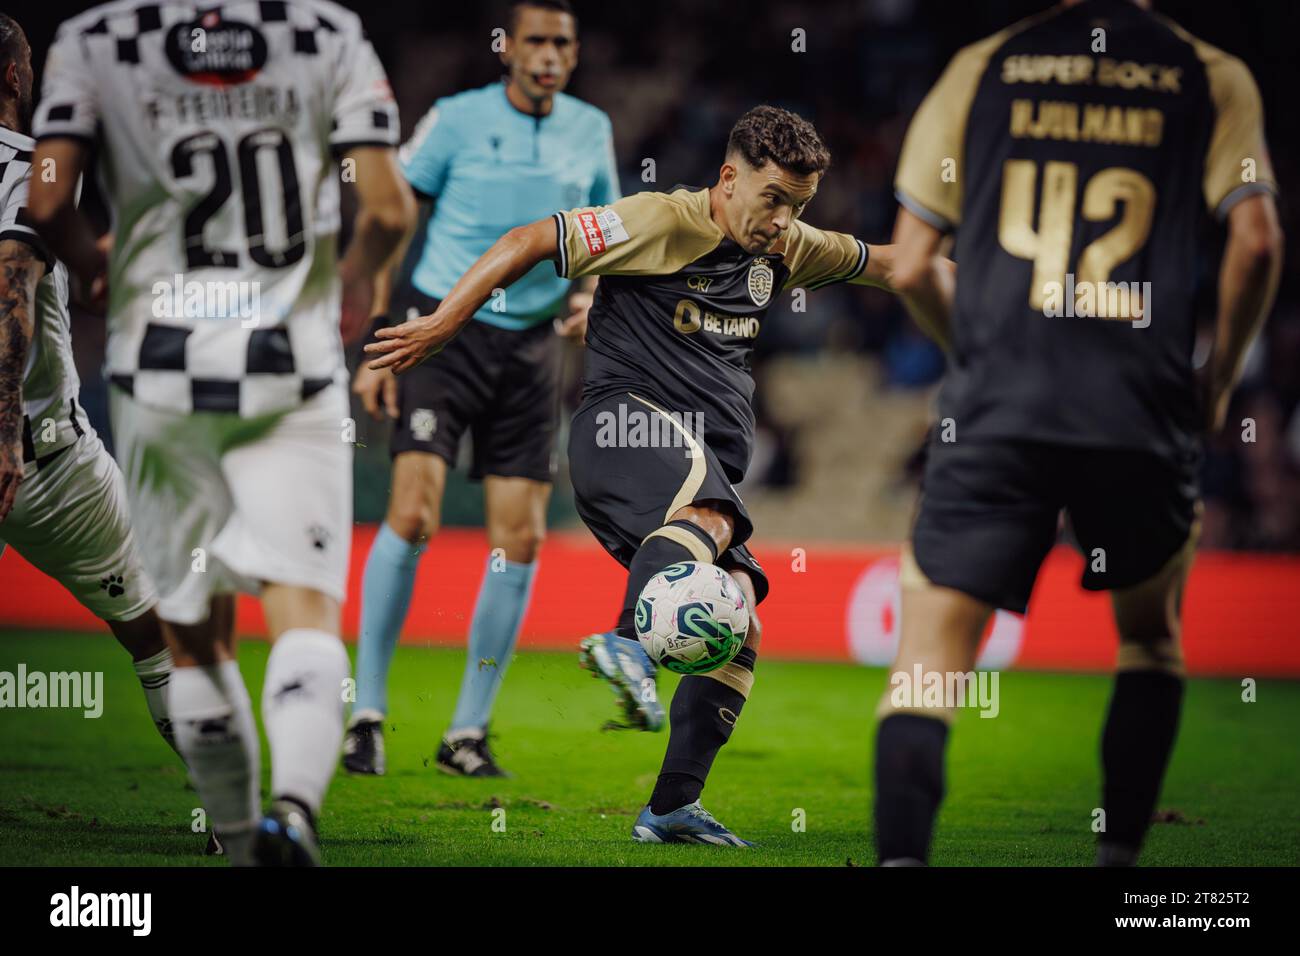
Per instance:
{"type": "Point", "coordinates": [62, 501]}
{"type": "Point", "coordinates": [217, 131]}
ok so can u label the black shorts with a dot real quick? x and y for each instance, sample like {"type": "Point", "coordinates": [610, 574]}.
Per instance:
{"type": "Point", "coordinates": [624, 491]}
{"type": "Point", "coordinates": [501, 384]}
{"type": "Point", "coordinates": [989, 513]}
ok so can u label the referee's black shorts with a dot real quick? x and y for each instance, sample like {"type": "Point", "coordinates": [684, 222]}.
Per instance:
{"type": "Point", "coordinates": [990, 510]}
{"type": "Point", "coordinates": [500, 384]}
{"type": "Point", "coordinates": [624, 492]}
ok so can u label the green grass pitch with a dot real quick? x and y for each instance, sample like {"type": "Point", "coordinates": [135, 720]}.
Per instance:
{"type": "Point", "coordinates": [1022, 787]}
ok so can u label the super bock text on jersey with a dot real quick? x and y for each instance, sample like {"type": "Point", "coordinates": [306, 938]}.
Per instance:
{"type": "Point", "coordinates": [1079, 178]}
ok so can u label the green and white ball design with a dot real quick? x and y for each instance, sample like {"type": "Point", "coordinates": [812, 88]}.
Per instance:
{"type": "Point", "coordinates": [692, 617]}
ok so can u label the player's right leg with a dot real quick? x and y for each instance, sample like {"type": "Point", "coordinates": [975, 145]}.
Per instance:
{"type": "Point", "coordinates": [704, 712]}
{"type": "Point", "coordinates": [1145, 705]}
{"type": "Point", "coordinates": [303, 713]}
{"type": "Point", "coordinates": [987, 518]}
{"type": "Point", "coordinates": [414, 509]}
{"type": "Point", "coordinates": [1136, 519]}
{"type": "Point", "coordinates": [289, 536]}
{"type": "Point", "coordinates": [940, 629]}
{"type": "Point", "coordinates": [652, 506]}
{"type": "Point", "coordinates": [179, 501]}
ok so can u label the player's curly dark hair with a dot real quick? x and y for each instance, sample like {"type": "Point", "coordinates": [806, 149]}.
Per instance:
{"type": "Point", "coordinates": [789, 140]}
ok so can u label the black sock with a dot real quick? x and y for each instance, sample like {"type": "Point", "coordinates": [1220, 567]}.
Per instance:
{"type": "Point", "coordinates": [657, 553]}
{"type": "Point", "coordinates": [703, 714]}
{"type": "Point", "coordinates": [909, 784]}
{"type": "Point", "coordinates": [1139, 736]}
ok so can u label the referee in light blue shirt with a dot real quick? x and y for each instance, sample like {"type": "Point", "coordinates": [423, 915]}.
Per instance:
{"type": "Point", "coordinates": [489, 159]}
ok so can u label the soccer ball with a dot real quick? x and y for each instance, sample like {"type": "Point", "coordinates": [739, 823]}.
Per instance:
{"type": "Point", "coordinates": [692, 617]}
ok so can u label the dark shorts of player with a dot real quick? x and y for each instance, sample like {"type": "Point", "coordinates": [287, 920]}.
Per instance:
{"type": "Point", "coordinates": [624, 492]}
{"type": "Point", "coordinates": [989, 514]}
{"type": "Point", "coordinates": [501, 384]}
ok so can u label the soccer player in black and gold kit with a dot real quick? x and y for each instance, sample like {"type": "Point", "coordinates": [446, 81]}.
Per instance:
{"type": "Point", "coordinates": [1072, 154]}
{"type": "Point", "coordinates": [686, 278]}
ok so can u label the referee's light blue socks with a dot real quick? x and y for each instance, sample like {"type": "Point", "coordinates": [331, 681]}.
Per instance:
{"type": "Point", "coordinates": [502, 602]}
{"type": "Point", "coordinates": [385, 597]}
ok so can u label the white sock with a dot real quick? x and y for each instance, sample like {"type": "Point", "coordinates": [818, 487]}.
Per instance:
{"type": "Point", "coordinates": [155, 674]}
{"type": "Point", "coordinates": [213, 721]}
{"type": "Point", "coordinates": [302, 709]}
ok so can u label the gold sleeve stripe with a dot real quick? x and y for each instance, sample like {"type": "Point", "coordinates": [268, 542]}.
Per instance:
{"type": "Point", "coordinates": [937, 135]}
{"type": "Point", "coordinates": [937, 132]}
{"type": "Point", "coordinates": [561, 239]}
{"type": "Point", "coordinates": [1238, 132]}
{"type": "Point", "coordinates": [859, 264]}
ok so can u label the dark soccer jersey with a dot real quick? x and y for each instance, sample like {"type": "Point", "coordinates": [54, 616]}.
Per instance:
{"type": "Point", "coordinates": [679, 305]}
{"type": "Point", "coordinates": [1072, 153]}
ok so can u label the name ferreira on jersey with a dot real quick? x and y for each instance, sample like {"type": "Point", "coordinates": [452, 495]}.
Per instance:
{"type": "Point", "coordinates": [258, 102]}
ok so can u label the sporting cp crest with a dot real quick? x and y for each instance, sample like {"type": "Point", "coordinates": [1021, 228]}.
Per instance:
{"type": "Point", "coordinates": [760, 282]}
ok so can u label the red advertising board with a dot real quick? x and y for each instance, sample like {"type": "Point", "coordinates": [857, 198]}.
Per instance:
{"type": "Point", "coordinates": [828, 602]}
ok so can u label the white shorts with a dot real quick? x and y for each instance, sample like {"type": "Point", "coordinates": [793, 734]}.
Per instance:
{"type": "Point", "coordinates": [70, 521]}
{"type": "Point", "coordinates": [223, 503]}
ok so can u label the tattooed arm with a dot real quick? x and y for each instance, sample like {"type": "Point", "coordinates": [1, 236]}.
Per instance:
{"type": "Point", "coordinates": [20, 270]}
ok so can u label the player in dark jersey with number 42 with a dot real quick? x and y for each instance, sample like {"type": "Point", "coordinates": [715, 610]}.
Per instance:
{"type": "Point", "coordinates": [1072, 154]}
{"type": "Point", "coordinates": [686, 278]}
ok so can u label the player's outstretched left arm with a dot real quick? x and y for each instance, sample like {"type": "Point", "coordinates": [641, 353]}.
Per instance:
{"type": "Point", "coordinates": [402, 347]}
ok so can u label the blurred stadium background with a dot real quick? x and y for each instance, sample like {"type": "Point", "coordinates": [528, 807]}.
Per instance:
{"type": "Point", "coordinates": [845, 393]}
{"type": "Point", "coordinates": [846, 388]}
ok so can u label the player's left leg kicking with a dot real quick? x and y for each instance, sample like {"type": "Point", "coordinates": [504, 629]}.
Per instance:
{"type": "Point", "coordinates": [652, 507]}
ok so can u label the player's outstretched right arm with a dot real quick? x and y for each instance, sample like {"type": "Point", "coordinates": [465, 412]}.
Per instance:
{"type": "Point", "coordinates": [402, 347]}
